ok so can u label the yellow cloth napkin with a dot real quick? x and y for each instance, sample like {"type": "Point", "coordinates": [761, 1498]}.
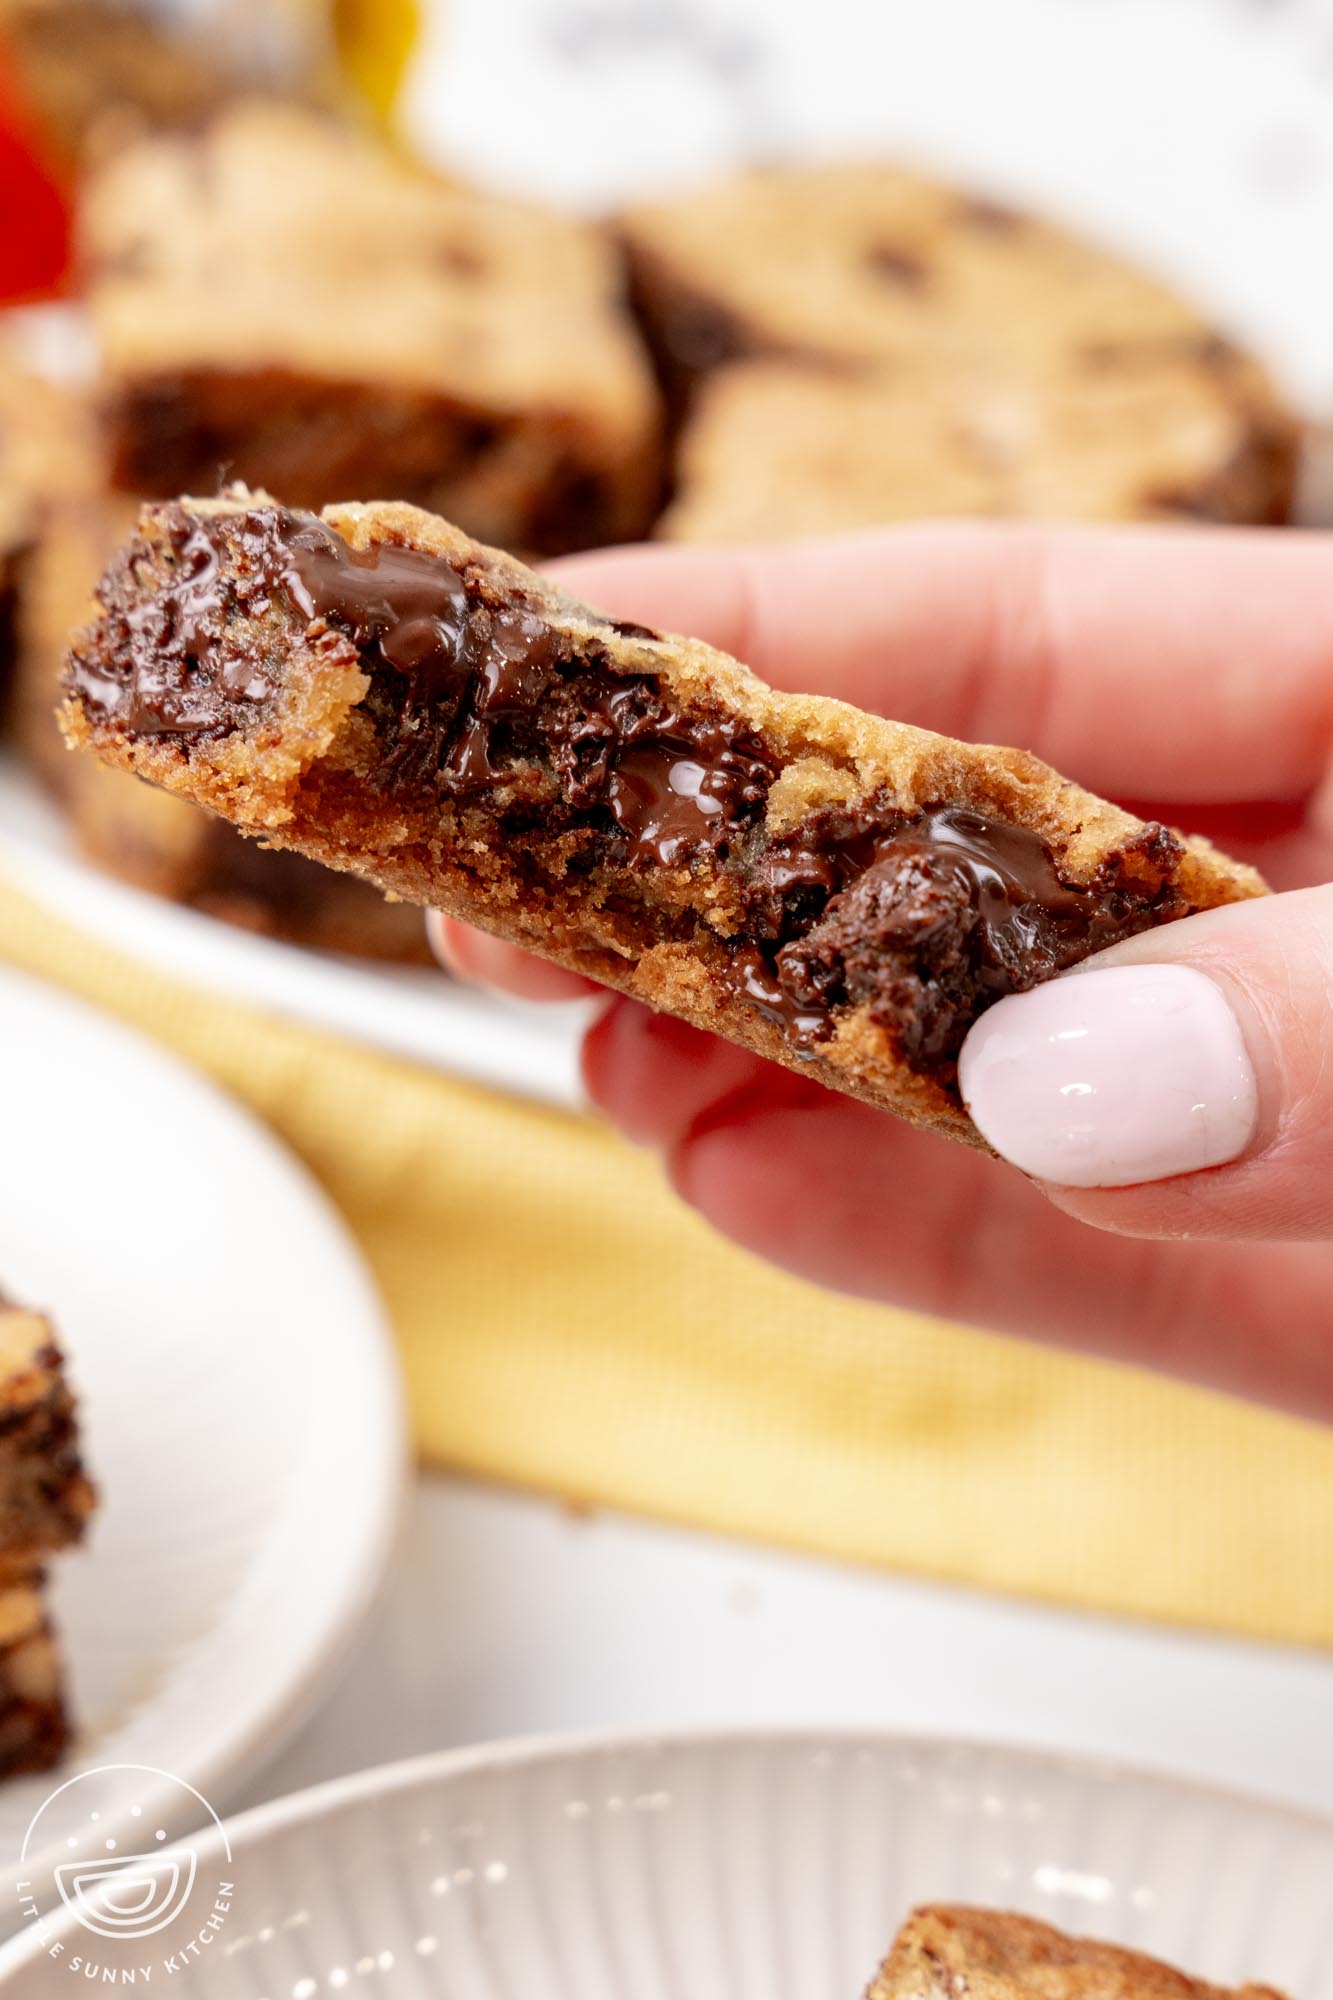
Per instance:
{"type": "Point", "coordinates": [566, 1324]}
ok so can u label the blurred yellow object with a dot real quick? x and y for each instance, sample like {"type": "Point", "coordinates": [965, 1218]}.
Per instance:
{"type": "Point", "coordinates": [375, 40]}
{"type": "Point", "coordinates": [565, 1324]}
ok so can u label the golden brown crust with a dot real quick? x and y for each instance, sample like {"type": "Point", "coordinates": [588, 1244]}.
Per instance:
{"type": "Point", "coordinates": [944, 1952]}
{"type": "Point", "coordinates": [305, 772]}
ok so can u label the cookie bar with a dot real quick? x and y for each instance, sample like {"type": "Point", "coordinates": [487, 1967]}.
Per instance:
{"type": "Point", "coordinates": [282, 300]}
{"type": "Point", "coordinates": [941, 1953]}
{"type": "Point", "coordinates": [839, 892]}
{"type": "Point", "coordinates": [34, 1721]}
{"type": "Point", "coordinates": [45, 1494]}
{"type": "Point", "coordinates": [774, 451]}
{"type": "Point", "coordinates": [1002, 324]}
{"type": "Point", "coordinates": [146, 837]}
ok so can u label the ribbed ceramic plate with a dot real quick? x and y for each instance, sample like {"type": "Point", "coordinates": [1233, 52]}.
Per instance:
{"type": "Point", "coordinates": [734, 1868]}
{"type": "Point", "coordinates": [240, 1404]}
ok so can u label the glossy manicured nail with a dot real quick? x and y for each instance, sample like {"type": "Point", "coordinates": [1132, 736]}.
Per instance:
{"type": "Point", "coordinates": [1103, 1079]}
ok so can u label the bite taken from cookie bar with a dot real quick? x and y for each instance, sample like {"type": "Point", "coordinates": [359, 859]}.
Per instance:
{"type": "Point", "coordinates": [839, 892]}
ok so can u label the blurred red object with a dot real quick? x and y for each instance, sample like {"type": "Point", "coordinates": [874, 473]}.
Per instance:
{"type": "Point", "coordinates": [35, 211]}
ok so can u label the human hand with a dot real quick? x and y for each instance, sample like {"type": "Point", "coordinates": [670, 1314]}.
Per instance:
{"type": "Point", "coordinates": [1187, 674]}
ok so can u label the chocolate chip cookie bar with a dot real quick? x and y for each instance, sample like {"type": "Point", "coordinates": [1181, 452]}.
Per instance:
{"type": "Point", "coordinates": [942, 1953]}
{"type": "Point", "coordinates": [774, 451]}
{"type": "Point", "coordinates": [282, 300]}
{"type": "Point", "coordinates": [839, 892]}
{"type": "Point", "coordinates": [1017, 368]}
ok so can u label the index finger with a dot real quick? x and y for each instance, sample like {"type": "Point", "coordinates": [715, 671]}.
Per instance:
{"type": "Point", "coordinates": [1172, 664]}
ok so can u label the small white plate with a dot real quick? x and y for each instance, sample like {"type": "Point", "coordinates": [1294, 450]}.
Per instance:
{"type": "Point", "coordinates": [240, 1402]}
{"type": "Point", "coordinates": [726, 1868]}
{"type": "Point", "coordinates": [407, 1011]}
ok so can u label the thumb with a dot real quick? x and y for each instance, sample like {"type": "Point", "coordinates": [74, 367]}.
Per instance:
{"type": "Point", "coordinates": [1180, 1084]}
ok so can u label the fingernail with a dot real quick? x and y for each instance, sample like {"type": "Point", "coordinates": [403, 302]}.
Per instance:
{"type": "Point", "coordinates": [1104, 1079]}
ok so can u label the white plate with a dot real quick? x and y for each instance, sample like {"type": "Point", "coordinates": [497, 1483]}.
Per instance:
{"type": "Point", "coordinates": [407, 1011]}
{"type": "Point", "coordinates": [727, 1868]}
{"type": "Point", "coordinates": [240, 1400]}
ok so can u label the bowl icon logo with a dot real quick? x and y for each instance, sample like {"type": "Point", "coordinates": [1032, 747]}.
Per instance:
{"type": "Point", "coordinates": [124, 1853]}
{"type": "Point", "coordinates": [129, 1896]}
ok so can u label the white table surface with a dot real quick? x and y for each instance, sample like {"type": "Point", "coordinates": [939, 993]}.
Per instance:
{"type": "Point", "coordinates": [506, 1615]}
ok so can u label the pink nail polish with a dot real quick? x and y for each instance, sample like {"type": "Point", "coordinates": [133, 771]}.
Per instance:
{"type": "Point", "coordinates": [1104, 1079]}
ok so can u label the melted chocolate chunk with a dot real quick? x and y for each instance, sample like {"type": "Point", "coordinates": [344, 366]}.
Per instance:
{"type": "Point", "coordinates": [807, 1023]}
{"type": "Point", "coordinates": [674, 784]}
{"type": "Point", "coordinates": [940, 916]}
{"type": "Point", "coordinates": [660, 794]}
{"type": "Point", "coordinates": [160, 672]}
{"type": "Point", "coordinates": [409, 605]}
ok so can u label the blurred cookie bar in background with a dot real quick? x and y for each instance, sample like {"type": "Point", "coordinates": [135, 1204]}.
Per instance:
{"type": "Point", "coordinates": [286, 302]}
{"type": "Point", "coordinates": [956, 357]}
{"type": "Point", "coordinates": [774, 450]}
